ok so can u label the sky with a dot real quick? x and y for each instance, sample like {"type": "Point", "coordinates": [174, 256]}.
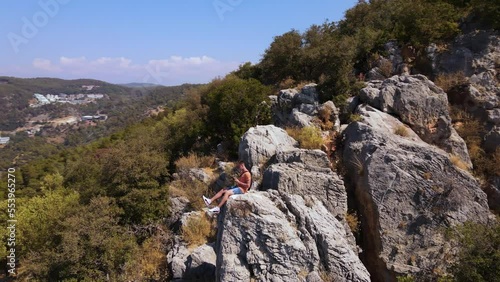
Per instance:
{"type": "Point", "coordinates": [167, 42]}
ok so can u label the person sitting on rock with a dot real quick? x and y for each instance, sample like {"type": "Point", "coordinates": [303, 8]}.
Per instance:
{"type": "Point", "coordinates": [243, 183]}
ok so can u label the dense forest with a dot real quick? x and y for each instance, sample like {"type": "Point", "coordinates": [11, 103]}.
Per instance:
{"type": "Point", "coordinates": [98, 211]}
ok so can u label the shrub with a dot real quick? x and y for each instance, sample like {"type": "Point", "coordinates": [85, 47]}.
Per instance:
{"type": "Point", "coordinates": [386, 68]}
{"type": "Point", "coordinates": [198, 230]}
{"type": "Point", "coordinates": [458, 162]}
{"type": "Point", "coordinates": [407, 278]}
{"type": "Point", "coordinates": [449, 81]}
{"type": "Point", "coordinates": [194, 161]}
{"type": "Point", "coordinates": [355, 117]}
{"type": "Point", "coordinates": [192, 189]}
{"type": "Point", "coordinates": [352, 221]}
{"type": "Point", "coordinates": [402, 131]}
{"type": "Point", "coordinates": [309, 137]}
{"type": "Point", "coordinates": [287, 83]}
{"type": "Point", "coordinates": [479, 255]}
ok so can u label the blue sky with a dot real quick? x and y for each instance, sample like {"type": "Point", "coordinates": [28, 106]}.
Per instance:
{"type": "Point", "coordinates": [158, 41]}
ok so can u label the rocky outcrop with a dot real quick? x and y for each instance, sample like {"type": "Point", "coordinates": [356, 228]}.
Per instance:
{"type": "Point", "coordinates": [192, 264]}
{"type": "Point", "coordinates": [178, 206]}
{"type": "Point", "coordinates": [477, 55]}
{"type": "Point", "coordinates": [307, 172]}
{"type": "Point", "coordinates": [471, 53]}
{"type": "Point", "coordinates": [271, 237]}
{"type": "Point", "coordinates": [260, 143]}
{"type": "Point", "coordinates": [292, 107]}
{"type": "Point", "coordinates": [416, 101]}
{"type": "Point", "coordinates": [407, 192]}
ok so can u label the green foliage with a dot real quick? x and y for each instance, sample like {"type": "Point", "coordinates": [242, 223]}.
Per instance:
{"type": "Point", "coordinates": [407, 278]}
{"type": "Point", "coordinates": [234, 105]}
{"type": "Point", "coordinates": [282, 58]}
{"type": "Point", "coordinates": [479, 256]}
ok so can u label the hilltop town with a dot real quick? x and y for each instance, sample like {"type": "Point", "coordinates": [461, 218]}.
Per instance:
{"type": "Point", "coordinates": [74, 99]}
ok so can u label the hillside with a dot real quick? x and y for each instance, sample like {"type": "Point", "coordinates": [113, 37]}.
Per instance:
{"type": "Point", "coordinates": [38, 130]}
{"type": "Point", "coordinates": [16, 94]}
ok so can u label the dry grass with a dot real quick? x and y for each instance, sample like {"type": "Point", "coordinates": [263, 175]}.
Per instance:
{"type": "Point", "coordinates": [309, 137]}
{"type": "Point", "coordinates": [194, 161]}
{"type": "Point", "coordinates": [458, 162]}
{"type": "Point", "coordinates": [358, 165]}
{"type": "Point", "coordinates": [193, 190]}
{"type": "Point", "coordinates": [198, 230]}
{"type": "Point", "coordinates": [287, 83]}
{"type": "Point", "coordinates": [449, 81]}
{"type": "Point", "coordinates": [401, 130]}
{"type": "Point", "coordinates": [303, 83]}
{"type": "Point", "coordinates": [427, 175]}
{"type": "Point", "coordinates": [386, 68]}
{"type": "Point", "coordinates": [352, 221]}
{"type": "Point", "coordinates": [325, 114]}
{"type": "Point", "coordinates": [326, 277]}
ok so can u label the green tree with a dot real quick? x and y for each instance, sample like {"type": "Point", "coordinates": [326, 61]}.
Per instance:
{"type": "Point", "coordinates": [235, 105]}
{"type": "Point", "coordinates": [282, 59]}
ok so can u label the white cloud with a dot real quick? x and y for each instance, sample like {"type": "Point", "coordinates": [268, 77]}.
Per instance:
{"type": "Point", "coordinates": [45, 64]}
{"type": "Point", "coordinates": [65, 61]}
{"type": "Point", "coordinates": [171, 71]}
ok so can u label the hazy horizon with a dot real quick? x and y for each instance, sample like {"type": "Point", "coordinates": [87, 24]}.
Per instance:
{"type": "Point", "coordinates": [163, 42]}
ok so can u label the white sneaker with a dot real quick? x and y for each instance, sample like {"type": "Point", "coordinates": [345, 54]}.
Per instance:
{"type": "Point", "coordinates": [214, 210]}
{"type": "Point", "coordinates": [207, 201]}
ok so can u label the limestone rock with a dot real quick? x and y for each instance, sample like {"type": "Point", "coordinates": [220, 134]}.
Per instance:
{"type": "Point", "coordinates": [306, 172]}
{"type": "Point", "coordinates": [260, 143]}
{"type": "Point", "coordinates": [292, 107]}
{"type": "Point", "coordinates": [192, 265]}
{"type": "Point", "coordinates": [178, 206]}
{"type": "Point", "coordinates": [492, 139]}
{"type": "Point", "coordinates": [418, 102]}
{"type": "Point", "coordinates": [268, 238]}
{"type": "Point", "coordinates": [407, 191]}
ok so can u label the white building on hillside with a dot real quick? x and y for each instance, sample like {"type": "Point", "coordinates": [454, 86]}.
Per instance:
{"type": "Point", "coordinates": [41, 99]}
{"type": "Point", "coordinates": [4, 140]}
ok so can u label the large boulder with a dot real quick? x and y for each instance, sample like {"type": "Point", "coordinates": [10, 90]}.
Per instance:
{"type": "Point", "coordinates": [408, 192]}
{"type": "Point", "coordinates": [187, 264]}
{"type": "Point", "coordinates": [418, 102]}
{"type": "Point", "coordinates": [470, 53]}
{"type": "Point", "coordinates": [268, 237]}
{"type": "Point", "coordinates": [292, 107]}
{"type": "Point", "coordinates": [307, 172]}
{"type": "Point", "coordinates": [262, 142]}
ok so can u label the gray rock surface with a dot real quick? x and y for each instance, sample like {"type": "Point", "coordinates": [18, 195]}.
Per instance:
{"type": "Point", "coordinates": [178, 206]}
{"type": "Point", "coordinates": [422, 105]}
{"type": "Point", "coordinates": [307, 172]}
{"type": "Point", "coordinates": [260, 143]}
{"type": "Point", "coordinates": [470, 53]}
{"type": "Point", "coordinates": [407, 192]}
{"type": "Point", "coordinates": [268, 237]}
{"type": "Point", "coordinates": [492, 139]}
{"type": "Point", "coordinates": [192, 264]}
{"type": "Point", "coordinates": [292, 107]}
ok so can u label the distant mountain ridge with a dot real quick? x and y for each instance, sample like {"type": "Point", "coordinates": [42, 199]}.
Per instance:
{"type": "Point", "coordinates": [139, 84]}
